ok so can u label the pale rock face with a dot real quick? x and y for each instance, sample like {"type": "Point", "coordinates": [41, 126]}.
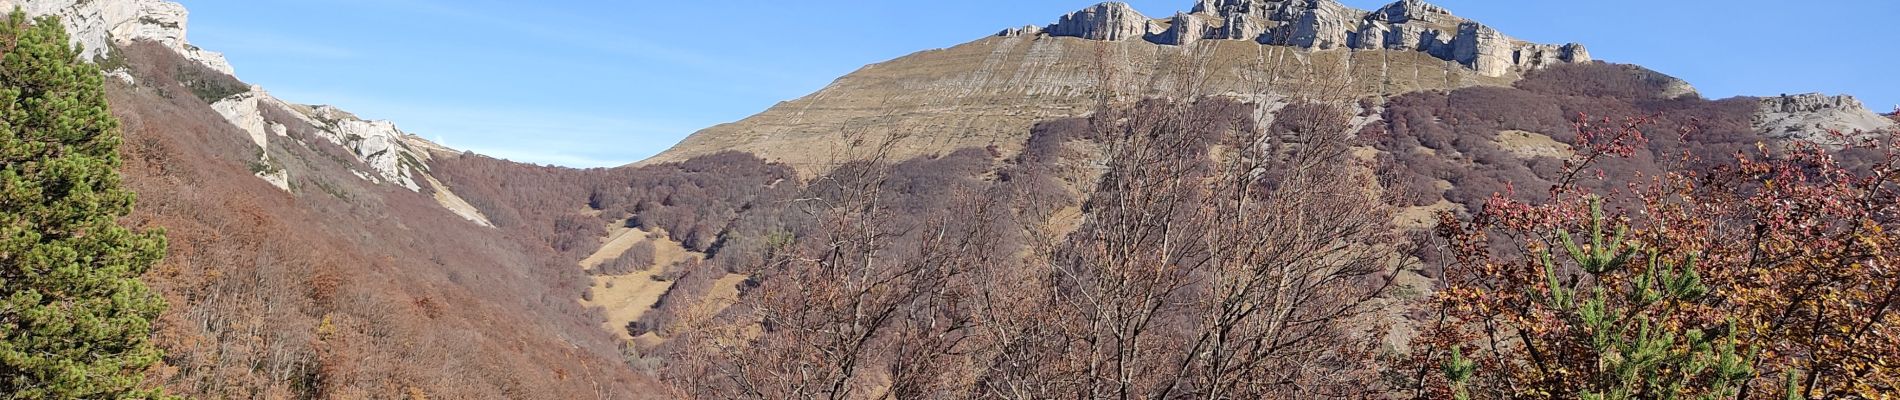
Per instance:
{"type": "Point", "coordinates": [1812, 116]}
{"type": "Point", "coordinates": [1406, 25]}
{"type": "Point", "coordinates": [1205, 6]}
{"type": "Point", "coordinates": [241, 110]}
{"type": "Point", "coordinates": [1413, 11]}
{"type": "Point", "coordinates": [1414, 38]}
{"type": "Point", "coordinates": [1371, 37]}
{"type": "Point", "coordinates": [95, 24]}
{"type": "Point", "coordinates": [276, 176]}
{"type": "Point", "coordinates": [123, 75]}
{"type": "Point", "coordinates": [1183, 29]}
{"type": "Point", "coordinates": [1240, 27]}
{"type": "Point", "coordinates": [1537, 56]}
{"type": "Point", "coordinates": [89, 23]}
{"type": "Point", "coordinates": [1320, 25]}
{"type": "Point", "coordinates": [1482, 48]}
{"type": "Point", "coordinates": [1107, 21]}
{"type": "Point", "coordinates": [377, 143]}
{"type": "Point", "coordinates": [1028, 30]}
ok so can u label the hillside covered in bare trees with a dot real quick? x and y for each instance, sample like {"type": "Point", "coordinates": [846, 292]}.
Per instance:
{"type": "Point", "coordinates": [1257, 199]}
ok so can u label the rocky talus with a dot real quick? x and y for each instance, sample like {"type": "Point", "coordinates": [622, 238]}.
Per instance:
{"type": "Point", "coordinates": [1818, 117]}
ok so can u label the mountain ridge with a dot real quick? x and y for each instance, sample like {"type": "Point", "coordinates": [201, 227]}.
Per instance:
{"type": "Point", "coordinates": [985, 93]}
{"type": "Point", "coordinates": [988, 92]}
{"type": "Point", "coordinates": [1405, 25]}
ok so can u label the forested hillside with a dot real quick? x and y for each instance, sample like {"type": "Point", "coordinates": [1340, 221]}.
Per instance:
{"type": "Point", "coordinates": [1255, 199]}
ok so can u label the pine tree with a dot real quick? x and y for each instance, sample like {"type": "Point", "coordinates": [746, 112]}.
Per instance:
{"type": "Point", "coordinates": [75, 320]}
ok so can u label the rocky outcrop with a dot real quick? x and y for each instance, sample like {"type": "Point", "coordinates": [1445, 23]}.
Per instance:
{"type": "Point", "coordinates": [1026, 30]}
{"type": "Point", "coordinates": [390, 155]}
{"type": "Point", "coordinates": [1414, 12]}
{"type": "Point", "coordinates": [1407, 25]}
{"type": "Point", "coordinates": [1482, 48]}
{"type": "Point", "coordinates": [378, 144]}
{"type": "Point", "coordinates": [387, 154]}
{"type": "Point", "coordinates": [1237, 27]}
{"type": "Point", "coordinates": [1817, 117]}
{"type": "Point", "coordinates": [241, 111]}
{"type": "Point", "coordinates": [1107, 21]}
{"type": "Point", "coordinates": [1184, 29]}
{"type": "Point", "coordinates": [1319, 25]}
{"type": "Point", "coordinates": [96, 24]}
{"type": "Point", "coordinates": [1809, 103]}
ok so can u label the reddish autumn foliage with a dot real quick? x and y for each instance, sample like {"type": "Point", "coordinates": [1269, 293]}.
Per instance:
{"type": "Point", "coordinates": [1453, 137]}
{"type": "Point", "coordinates": [335, 289]}
{"type": "Point", "coordinates": [1764, 275]}
{"type": "Point", "coordinates": [922, 279]}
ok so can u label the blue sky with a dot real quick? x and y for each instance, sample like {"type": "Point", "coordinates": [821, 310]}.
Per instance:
{"type": "Point", "coordinates": [602, 83]}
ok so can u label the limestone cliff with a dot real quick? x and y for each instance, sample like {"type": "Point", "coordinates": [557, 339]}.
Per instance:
{"type": "Point", "coordinates": [96, 24]}
{"type": "Point", "coordinates": [1106, 21]}
{"type": "Point", "coordinates": [1407, 25]}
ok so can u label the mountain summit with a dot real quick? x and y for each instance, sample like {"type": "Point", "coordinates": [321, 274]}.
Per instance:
{"type": "Point", "coordinates": [990, 91]}
{"type": "Point", "coordinates": [1407, 25]}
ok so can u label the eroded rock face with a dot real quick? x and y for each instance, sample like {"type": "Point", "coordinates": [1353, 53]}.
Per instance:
{"type": "Point", "coordinates": [1184, 29]}
{"type": "Point", "coordinates": [1407, 25]}
{"type": "Point", "coordinates": [391, 156]}
{"type": "Point", "coordinates": [1482, 48]}
{"type": "Point", "coordinates": [1316, 24]}
{"type": "Point", "coordinates": [1817, 117]}
{"type": "Point", "coordinates": [1107, 21]}
{"type": "Point", "coordinates": [95, 24]}
{"type": "Point", "coordinates": [1414, 12]}
{"type": "Point", "coordinates": [1028, 30]}
{"type": "Point", "coordinates": [378, 144]}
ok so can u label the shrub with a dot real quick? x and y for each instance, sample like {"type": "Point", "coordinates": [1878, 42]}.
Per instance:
{"type": "Point", "coordinates": [638, 258]}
